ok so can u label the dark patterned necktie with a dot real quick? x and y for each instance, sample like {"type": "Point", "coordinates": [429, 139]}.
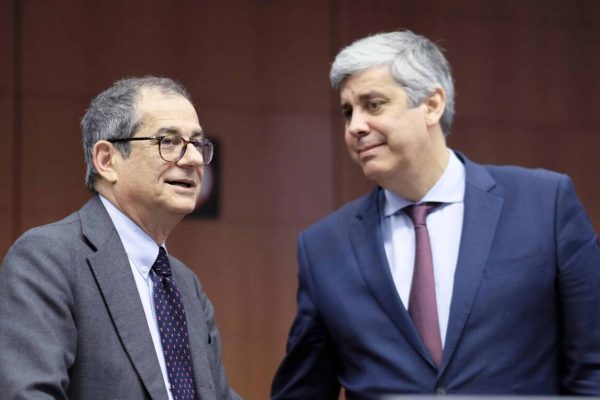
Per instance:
{"type": "Point", "coordinates": [172, 325]}
{"type": "Point", "coordinates": [422, 305]}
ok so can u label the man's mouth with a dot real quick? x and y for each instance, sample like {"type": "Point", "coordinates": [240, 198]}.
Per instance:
{"type": "Point", "coordinates": [181, 183]}
{"type": "Point", "coordinates": [363, 149]}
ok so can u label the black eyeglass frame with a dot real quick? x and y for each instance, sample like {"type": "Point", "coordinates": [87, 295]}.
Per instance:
{"type": "Point", "coordinates": [205, 142]}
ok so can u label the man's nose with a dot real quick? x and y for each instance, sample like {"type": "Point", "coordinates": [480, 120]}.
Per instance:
{"type": "Point", "coordinates": [192, 156]}
{"type": "Point", "coordinates": [358, 125]}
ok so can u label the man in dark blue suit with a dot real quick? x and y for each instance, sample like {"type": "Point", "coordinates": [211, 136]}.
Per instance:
{"type": "Point", "coordinates": [515, 260]}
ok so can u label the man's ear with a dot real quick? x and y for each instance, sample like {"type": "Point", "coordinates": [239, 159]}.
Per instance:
{"type": "Point", "coordinates": [105, 156]}
{"type": "Point", "coordinates": [435, 104]}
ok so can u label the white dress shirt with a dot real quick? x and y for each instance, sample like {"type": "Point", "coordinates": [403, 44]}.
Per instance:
{"type": "Point", "coordinates": [142, 252]}
{"type": "Point", "coordinates": [444, 224]}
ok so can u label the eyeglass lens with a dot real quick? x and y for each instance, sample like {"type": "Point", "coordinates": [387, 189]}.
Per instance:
{"type": "Point", "coordinates": [173, 147]}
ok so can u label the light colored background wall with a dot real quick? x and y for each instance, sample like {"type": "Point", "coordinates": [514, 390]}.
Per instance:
{"type": "Point", "coordinates": [527, 83]}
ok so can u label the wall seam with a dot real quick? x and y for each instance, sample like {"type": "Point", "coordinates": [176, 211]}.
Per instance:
{"type": "Point", "coordinates": [17, 119]}
{"type": "Point", "coordinates": [336, 166]}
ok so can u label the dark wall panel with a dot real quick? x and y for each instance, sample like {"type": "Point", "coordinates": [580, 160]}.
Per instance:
{"type": "Point", "coordinates": [525, 80]}
{"type": "Point", "coordinates": [8, 147]}
{"type": "Point", "coordinates": [258, 72]}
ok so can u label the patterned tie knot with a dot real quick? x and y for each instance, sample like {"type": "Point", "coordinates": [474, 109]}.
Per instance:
{"type": "Point", "coordinates": [418, 212]}
{"type": "Point", "coordinates": [161, 266]}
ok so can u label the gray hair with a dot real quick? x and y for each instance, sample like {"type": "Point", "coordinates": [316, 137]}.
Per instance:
{"type": "Point", "coordinates": [417, 64]}
{"type": "Point", "coordinates": [113, 115]}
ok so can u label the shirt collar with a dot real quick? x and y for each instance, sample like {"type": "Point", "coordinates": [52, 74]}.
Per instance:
{"type": "Point", "coordinates": [139, 246]}
{"type": "Point", "coordinates": [450, 188]}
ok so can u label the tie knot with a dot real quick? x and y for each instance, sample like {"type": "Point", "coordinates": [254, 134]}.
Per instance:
{"type": "Point", "coordinates": [418, 212]}
{"type": "Point", "coordinates": [161, 266]}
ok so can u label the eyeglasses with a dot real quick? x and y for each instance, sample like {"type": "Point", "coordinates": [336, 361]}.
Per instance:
{"type": "Point", "coordinates": [172, 147]}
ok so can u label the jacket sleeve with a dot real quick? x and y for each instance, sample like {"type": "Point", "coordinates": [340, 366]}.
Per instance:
{"type": "Point", "coordinates": [309, 369]}
{"type": "Point", "coordinates": [578, 254]}
{"type": "Point", "coordinates": [37, 329]}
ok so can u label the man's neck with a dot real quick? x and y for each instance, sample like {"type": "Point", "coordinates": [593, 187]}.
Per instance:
{"type": "Point", "coordinates": [415, 181]}
{"type": "Point", "coordinates": [158, 227]}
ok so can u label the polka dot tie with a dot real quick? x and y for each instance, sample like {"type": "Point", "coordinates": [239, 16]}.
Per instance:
{"type": "Point", "coordinates": [172, 325]}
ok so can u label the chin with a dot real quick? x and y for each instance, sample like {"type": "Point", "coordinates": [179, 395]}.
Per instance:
{"type": "Point", "coordinates": [372, 172]}
{"type": "Point", "coordinates": [183, 208]}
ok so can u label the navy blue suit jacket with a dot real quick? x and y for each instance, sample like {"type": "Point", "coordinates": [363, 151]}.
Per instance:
{"type": "Point", "coordinates": [524, 315]}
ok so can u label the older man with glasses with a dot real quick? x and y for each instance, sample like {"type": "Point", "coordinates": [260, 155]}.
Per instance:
{"type": "Point", "coordinates": [93, 307]}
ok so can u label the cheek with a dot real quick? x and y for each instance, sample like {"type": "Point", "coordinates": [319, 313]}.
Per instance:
{"type": "Point", "coordinates": [145, 184]}
{"type": "Point", "coordinates": [349, 140]}
{"type": "Point", "coordinates": [350, 146]}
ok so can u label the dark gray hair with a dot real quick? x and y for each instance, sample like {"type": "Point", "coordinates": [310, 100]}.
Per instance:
{"type": "Point", "coordinates": [113, 115]}
{"type": "Point", "coordinates": [416, 63]}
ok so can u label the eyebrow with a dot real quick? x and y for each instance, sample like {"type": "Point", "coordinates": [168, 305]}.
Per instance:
{"type": "Point", "coordinates": [367, 96]}
{"type": "Point", "coordinates": [172, 130]}
{"type": "Point", "coordinates": [370, 95]}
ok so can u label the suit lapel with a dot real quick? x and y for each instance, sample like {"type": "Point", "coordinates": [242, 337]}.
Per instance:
{"type": "Point", "coordinates": [367, 245]}
{"type": "Point", "coordinates": [110, 266]}
{"type": "Point", "coordinates": [481, 215]}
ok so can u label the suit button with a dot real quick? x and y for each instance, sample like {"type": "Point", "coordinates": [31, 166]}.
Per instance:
{"type": "Point", "coordinates": [440, 390]}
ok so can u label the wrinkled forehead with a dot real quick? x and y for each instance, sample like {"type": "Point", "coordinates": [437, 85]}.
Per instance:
{"type": "Point", "coordinates": [149, 97]}
{"type": "Point", "coordinates": [380, 70]}
{"type": "Point", "coordinates": [377, 79]}
{"type": "Point", "coordinates": [153, 101]}
{"type": "Point", "coordinates": [159, 110]}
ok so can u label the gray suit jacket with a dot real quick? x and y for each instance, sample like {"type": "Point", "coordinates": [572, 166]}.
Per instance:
{"type": "Point", "coordinates": [72, 324]}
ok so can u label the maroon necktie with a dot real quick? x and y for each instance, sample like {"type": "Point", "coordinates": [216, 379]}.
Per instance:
{"type": "Point", "coordinates": [422, 303]}
{"type": "Point", "coordinates": [172, 325]}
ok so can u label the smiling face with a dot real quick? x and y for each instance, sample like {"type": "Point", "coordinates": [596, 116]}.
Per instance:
{"type": "Point", "coordinates": [396, 145]}
{"type": "Point", "coordinates": [147, 188]}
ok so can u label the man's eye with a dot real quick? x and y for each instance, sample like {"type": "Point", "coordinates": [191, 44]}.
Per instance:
{"type": "Point", "coordinates": [170, 141]}
{"type": "Point", "coordinates": [375, 105]}
{"type": "Point", "coordinates": [347, 113]}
